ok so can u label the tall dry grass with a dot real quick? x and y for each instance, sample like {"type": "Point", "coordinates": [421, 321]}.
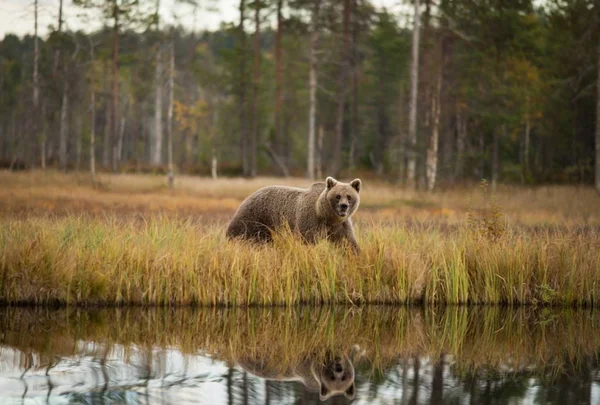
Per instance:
{"type": "Point", "coordinates": [44, 193]}
{"type": "Point", "coordinates": [165, 261]}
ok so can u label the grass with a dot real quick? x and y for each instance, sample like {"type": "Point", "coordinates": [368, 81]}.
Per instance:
{"type": "Point", "coordinates": [51, 193]}
{"type": "Point", "coordinates": [92, 261]}
{"type": "Point", "coordinates": [472, 338]}
{"type": "Point", "coordinates": [133, 242]}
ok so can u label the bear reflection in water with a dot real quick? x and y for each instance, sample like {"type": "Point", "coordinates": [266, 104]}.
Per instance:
{"type": "Point", "coordinates": [329, 375]}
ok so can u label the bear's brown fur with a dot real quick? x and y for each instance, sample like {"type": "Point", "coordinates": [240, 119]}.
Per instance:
{"type": "Point", "coordinates": [329, 375]}
{"type": "Point", "coordinates": [323, 210]}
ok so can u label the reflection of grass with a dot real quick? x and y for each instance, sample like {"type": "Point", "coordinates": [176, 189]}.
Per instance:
{"type": "Point", "coordinates": [84, 261]}
{"type": "Point", "coordinates": [473, 338]}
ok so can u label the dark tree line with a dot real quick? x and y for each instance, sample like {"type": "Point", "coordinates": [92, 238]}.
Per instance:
{"type": "Point", "coordinates": [493, 89]}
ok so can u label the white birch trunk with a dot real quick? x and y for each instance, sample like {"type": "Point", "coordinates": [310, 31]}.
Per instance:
{"type": "Point", "coordinates": [171, 175]}
{"type": "Point", "coordinates": [314, 39]}
{"type": "Point", "coordinates": [156, 142]}
{"type": "Point", "coordinates": [213, 164]}
{"type": "Point", "coordinates": [414, 87]}
{"type": "Point", "coordinates": [432, 150]}
{"type": "Point", "coordinates": [62, 151]}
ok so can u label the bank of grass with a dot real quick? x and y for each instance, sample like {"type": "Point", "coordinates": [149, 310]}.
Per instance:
{"type": "Point", "coordinates": [165, 261]}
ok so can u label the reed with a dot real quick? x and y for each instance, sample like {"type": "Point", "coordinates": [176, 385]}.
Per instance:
{"type": "Point", "coordinates": [165, 261]}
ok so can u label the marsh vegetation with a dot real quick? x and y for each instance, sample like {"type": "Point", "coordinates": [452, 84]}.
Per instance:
{"type": "Point", "coordinates": [62, 242]}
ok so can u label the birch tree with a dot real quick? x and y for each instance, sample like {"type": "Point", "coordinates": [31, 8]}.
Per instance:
{"type": "Point", "coordinates": [157, 134]}
{"type": "Point", "coordinates": [312, 84]}
{"type": "Point", "coordinates": [278, 121]}
{"type": "Point", "coordinates": [255, 91]}
{"type": "Point", "coordinates": [341, 98]}
{"type": "Point", "coordinates": [414, 88]}
{"type": "Point", "coordinates": [171, 175]}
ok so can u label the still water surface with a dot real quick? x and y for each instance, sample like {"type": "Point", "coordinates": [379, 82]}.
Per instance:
{"type": "Point", "coordinates": [299, 356]}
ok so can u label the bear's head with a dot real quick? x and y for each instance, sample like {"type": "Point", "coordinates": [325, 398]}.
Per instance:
{"type": "Point", "coordinates": [343, 198]}
{"type": "Point", "coordinates": [335, 376]}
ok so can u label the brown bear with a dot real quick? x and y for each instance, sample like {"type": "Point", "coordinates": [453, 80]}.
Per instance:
{"type": "Point", "coordinates": [330, 375]}
{"type": "Point", "coordinates": [323, 210]}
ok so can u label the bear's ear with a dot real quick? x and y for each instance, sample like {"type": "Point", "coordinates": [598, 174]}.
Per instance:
{"type": "Point", "coordinates": [356, 183]}
{"type": "Point", "coordinates": [350, 392]}
{"type": "Point", "coordinates": [323, 392]}
{"type": "Point", "coordinates": [331, 182]}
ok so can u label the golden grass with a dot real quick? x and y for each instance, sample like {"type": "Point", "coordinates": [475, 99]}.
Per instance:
{"type": "Point", "coordinates": [130, 240]}
{"type": "Point", "coordinates": [471, 337]}
{"type": "Point", "coordinates": [43, 193]}
{"type": "Point", "coordinates": [166, 261]}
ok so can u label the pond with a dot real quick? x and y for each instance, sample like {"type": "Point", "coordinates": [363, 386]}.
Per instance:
{"type": "Point", "coordinates": [301, 355]}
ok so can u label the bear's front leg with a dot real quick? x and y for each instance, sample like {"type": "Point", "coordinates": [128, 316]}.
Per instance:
{"type": "Point", "coordinates": [345, 233]}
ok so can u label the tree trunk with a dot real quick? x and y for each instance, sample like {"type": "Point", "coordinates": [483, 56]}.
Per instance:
{"type": "Point", "coordinates": [255, 98]}
{"type": "Point", "coordinates": [242, 107]}
{"type": "Point", "coordinates": [156, 143]}
{"type": "Point", "coordinates": [354, 99]}
{"type": "Point", "coordinates": [171, 176]}
{"type": "Point", "coordinates": [64, 109]}
{"type": "Point", "coordinates": [57, 51]}
{"type": "Point", "coordinates": [414, 398]}
{"type": "Point", "coordinates": [36, 85]}
{"type": "Point", "coordinates": [437, 382]}
{"type": "Point", "coordinates": [495, 156]}
{"type": "Point", "coordinates": [598, 126]}
{"type": "Point", "coordinates": [432, 150]}
{"type": "Point", "coordinates": [339, 123]}
{"type": "Point", "coordinates": [92, 119]}
{"type": "Point", "coordinates": [93, 132]}
{"type": "Point", "coordinates": [400, 157]}
{"type": "Point", "coordinates": [320, 152]}
{"type": "Point", "coordinates": [60, 12]}
{"type": "Point", "coordinates": [213, 164]}
{"type": "Point", "coordinates": [79, 142]}
{"type": "Point", "coordinates": [43, 137]}
{"type": "Point", "coordinates": [119, 146]}
{"type": "Point", "coordinates": [314, 39]}
{"type": "Point", "coordinates": [115, 90]}
{"type": "Point", "coordinates": [414, 87]}
{"type": "Point", "coordinates": [106, 140]}
{"type": "Point", "coordinates": [461, 137]}
{"type": "Point", "coordinates": [526, 145]}
{"type": "Point", "coordinates": [278, 119]}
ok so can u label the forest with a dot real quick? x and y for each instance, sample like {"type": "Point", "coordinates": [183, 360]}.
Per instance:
{"type": "Point", "coordinates": [443, 93]}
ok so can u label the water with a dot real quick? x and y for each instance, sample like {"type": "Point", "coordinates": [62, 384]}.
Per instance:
{"type": "Point", "coordinates": [299, 356]}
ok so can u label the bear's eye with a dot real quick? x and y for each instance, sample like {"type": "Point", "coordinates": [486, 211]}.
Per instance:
{"type": "Point", "coordinates": [337, 197]}
{"type": "Point", "coordinates": [349, 198]}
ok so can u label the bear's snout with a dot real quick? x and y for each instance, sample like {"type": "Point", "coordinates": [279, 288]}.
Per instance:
{"type": "Point", "coordinates": [343, 207]}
